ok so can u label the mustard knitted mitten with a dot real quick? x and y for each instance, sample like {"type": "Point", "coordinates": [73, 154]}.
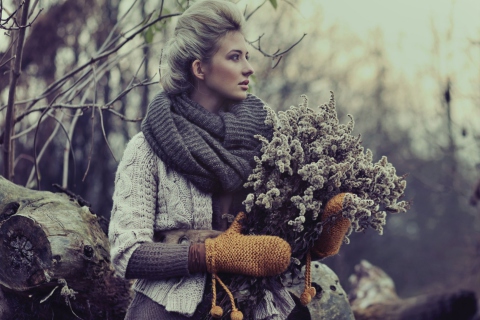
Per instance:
{"type": "Point", "coordinates": [232, 252]}
{"type": "Point", "coordinates": [257, 256]}
{"type": "Point", "coordinates": [331, 238]}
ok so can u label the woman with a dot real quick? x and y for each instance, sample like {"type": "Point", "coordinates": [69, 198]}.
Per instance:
{"type": "Point", "coordinates": [183, 176]}
{"type": "Point", "coordinates": [185, 170]}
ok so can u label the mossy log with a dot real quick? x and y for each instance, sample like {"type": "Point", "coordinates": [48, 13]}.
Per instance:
{"type": "Point", "coordinates": [52, 249]}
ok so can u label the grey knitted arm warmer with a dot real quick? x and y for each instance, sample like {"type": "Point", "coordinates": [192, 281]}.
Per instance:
{"type": "Point", "coordinates": [157, 261]}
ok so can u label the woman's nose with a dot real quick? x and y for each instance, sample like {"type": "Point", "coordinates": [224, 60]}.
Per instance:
{"type": "Point", "coordinates": [248, 69]}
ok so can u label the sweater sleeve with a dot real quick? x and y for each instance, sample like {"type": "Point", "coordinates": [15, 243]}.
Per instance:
{"type": "Point", "coordinates": [156, 261]}
{"type": "Point", "coordinates": [133, 216]}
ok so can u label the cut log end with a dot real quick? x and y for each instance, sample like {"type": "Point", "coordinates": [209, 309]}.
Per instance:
{"type": "Point", "coordinates": [25, 256]}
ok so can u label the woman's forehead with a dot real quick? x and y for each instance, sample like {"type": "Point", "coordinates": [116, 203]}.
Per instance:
{"type": "Point", "coordinates": [233, 41]}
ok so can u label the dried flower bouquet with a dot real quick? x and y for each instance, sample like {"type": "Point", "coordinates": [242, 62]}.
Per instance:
{"type": "Point", "coordinates": [310, 159]}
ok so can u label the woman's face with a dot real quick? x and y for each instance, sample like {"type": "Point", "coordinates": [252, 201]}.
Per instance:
{"type": "Point", "coordinates": [226, 74]}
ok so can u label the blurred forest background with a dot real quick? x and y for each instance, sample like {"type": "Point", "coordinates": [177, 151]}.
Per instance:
{"type": "Point", "coordinates": [90, 68]}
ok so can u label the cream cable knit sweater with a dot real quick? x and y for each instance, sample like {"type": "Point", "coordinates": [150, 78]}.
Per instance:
{"type": "Point", "coordinates": [150, 197]}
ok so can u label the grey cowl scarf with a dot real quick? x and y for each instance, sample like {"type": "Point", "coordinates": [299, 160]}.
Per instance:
{"type": "Point", "coordinates": [213, 151]}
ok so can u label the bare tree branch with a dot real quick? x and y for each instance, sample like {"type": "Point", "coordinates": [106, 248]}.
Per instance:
{"type": "Point", "coordinates": [15, 26]}
{"type": "Point", "coordinates": [277, 56]}
{"type": "Point", "coordinates": [44, 148]}
{"type": "Point", "coordinates": [91, 146]}
{"type": "Point", "coordinates": [105, 135]}
{"type": "Point", "coordinates": [12, 43]}
{"type": "Point", "coordinates": [93, 125]}
{"type": "Point", "coordinates": [10, 59]}
{"type": "Point", "coordinates": [254, 10]}
{"type": "Point", "coordinates": [32, 9]}
{"type": "Point", "coordinates": [57, 84]}
{"type": "Point", "coordinates": [68, 149]}
{"type": "Point", "coordinates": [14, 75]}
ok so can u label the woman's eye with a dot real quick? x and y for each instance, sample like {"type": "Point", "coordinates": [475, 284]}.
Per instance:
{"type": "Point", "coordinates": [236, 57]}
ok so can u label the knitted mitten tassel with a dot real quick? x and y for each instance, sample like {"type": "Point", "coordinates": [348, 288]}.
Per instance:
{"type": "Point", "coordinates": [309, 292]}
{"type": "Point", "coordinates": [217, 311]}
{"type": "Point", "coordinates": [233, 252]}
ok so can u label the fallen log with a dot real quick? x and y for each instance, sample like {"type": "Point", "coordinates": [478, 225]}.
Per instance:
{"type": "Point", "coordinates": [54, 254]}
{"type": "Point", "coordinates": [373, 297]}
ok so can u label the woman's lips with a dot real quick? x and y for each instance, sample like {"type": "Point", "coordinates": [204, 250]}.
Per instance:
{"type": "Point", "coordinates": [244, 85]}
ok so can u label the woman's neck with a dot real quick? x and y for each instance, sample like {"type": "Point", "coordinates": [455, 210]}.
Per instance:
{"type": "Point", "coordinates": [209, 102]}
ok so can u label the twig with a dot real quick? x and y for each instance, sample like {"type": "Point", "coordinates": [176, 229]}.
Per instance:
{"type": "Point", "coordinates": [68, 149]}
{"type": "Point", "coordinates": [93, 125]}
{"type": "Point", "coordinates": [54, 86]}
{"type": "Point", "coordinates": [255, 10]}
{"type": "Point", "coordinates": [105, 135]}
{"type": "Point", "coordinates": [121, 116]}
{"type": "Point", "coordinates": [12, 43]}
{"type": "Point", "coordinates": [24, 132]}
{"type": "Point", "coordinates": [22, 156]}
{"type": "Point", "coordinates": [37, 174]}
{"type": "Point", "coordinates": [11, 58]}
{"type": "Point", "coordinates": [108, 40]}
{"type": "Point", "coordinates": [108, 106]}
{"type": "Point", "coordinates": [10, 16]}
{"type": "Point", "coordinates": [161, 8]}
{"type": "Point", "coordinates": [14, 75]}
{"type": "Point", "coordinates": [78, 198]}
{"type": "Point", "coordinates": [44, 148]}
{"type": "Point", "coordinates": [32, 9]}
{"type": "Point", "coordinates": [22, 25]}
{"type": "Point", "coordinates": [277, 55]}
{"type": "Point", "coordinates": [108, 63]}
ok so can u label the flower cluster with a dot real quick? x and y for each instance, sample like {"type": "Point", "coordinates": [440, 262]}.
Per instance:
{"type": "Point", "coordinates": [311, 158]}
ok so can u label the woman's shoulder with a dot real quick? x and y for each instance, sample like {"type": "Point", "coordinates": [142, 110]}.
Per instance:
{"type": "Point", "coordinates": [139, 142]}
{"type": "Point", "coordinates": [138, 149]}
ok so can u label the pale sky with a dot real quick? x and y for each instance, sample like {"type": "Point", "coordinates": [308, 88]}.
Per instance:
{"type": "Point", "coordinates": [407, 24]}
{"type": "Point", "coordinates": [407, 27]}
{"type": "Point", "coordinates": [408, 35]}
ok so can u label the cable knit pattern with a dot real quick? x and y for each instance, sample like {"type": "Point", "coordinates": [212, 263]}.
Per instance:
{"type": "Point", "coordinates": [150, 197]}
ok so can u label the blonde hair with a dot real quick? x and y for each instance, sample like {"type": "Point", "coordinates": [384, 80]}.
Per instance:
{"type": "Point", "coordinates": [196, 36]}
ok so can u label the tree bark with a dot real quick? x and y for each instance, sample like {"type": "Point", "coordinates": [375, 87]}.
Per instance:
{"type": "Point", "coordinates": [53, 248]}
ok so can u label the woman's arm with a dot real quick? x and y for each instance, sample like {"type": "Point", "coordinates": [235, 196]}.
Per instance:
{"type": "Point", "coordinates": [134, 254]}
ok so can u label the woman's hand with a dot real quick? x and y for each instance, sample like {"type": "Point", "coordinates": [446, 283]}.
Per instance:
{"type": "Point", "coordinates": [331, 238]}
{"type": "Point", "coordinates": [184, 236]}
{"type": "Point", "coordinates": [258, 256]}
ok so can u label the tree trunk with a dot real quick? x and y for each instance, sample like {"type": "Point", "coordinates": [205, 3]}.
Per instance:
{"type": "Point", "coordinates": [53, 250]}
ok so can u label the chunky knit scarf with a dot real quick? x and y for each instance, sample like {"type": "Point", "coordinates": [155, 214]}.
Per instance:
{"type": "Point", "coordinates": [213, 151]}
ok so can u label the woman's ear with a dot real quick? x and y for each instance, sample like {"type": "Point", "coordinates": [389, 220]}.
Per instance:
{"type": "Point", "coordinates": [197, 70]}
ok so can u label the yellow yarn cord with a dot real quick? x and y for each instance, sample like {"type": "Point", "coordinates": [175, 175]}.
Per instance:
{"type": "Point", "coordinates": [308, 280]}
{"type": "Point", "coordinates": [217, 311]}
{"type": "Point", "coordinates": [214, 291]}
{"type": "Point", "coordinates": [230, 295]}
{"type": "Point", "coordinates": [309, 291]}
